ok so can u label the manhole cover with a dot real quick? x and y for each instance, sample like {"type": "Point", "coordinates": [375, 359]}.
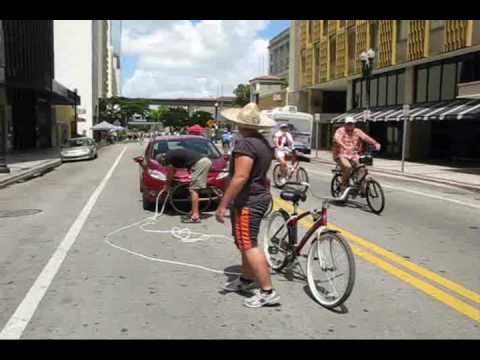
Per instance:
{"type": "Point", "coordinates": [17, 213]}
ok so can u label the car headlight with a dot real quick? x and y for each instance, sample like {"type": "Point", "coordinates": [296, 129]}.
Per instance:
{"type": "Point", "coordinates": [157, 175]}
{"type": "Point", "coordinates": [222, 175]}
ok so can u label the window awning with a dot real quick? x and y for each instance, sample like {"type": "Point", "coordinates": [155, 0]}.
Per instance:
{"type": "Point", "coordinates": [457, 109]}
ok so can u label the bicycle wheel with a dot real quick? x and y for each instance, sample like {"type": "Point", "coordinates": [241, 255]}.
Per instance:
{"type": "Point", "coordinates": [330, 270]}
{"type": "Point", "coordinates": [181, 199]}
{"type": "Point", "coordinates": [375, 196]}
{"type": "Point", "coordinates": [335, 186]}
{"type": "Point", "coordinates": [278, 179]}
{"type": "Point", "coordinates": [275, 241]}
{"type": "Point", "coordinates": [302, 175]}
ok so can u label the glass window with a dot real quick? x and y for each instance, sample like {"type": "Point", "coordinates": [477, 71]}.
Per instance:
{"type": "Point", "coordinates": [448, 90]}
{"type": "Point", "coordinates": [204, 147]}
{"type": "Point", "coordinates": [373, 91]}
{"type": "Point", "coordinates": [421, 87]}
{"type": "Point", "coordinates": [317, 55]}
{"type": "Point", "coordinates": [392, 89]}
{"type": "Point", "coordinates": [435, 24]}
{"type": "Point", "coordinates": [373, 35]}
{"type": "Point", "coordinates": [356, 94]}
{"type": "Point", "coordinates": [325, 27]}
{"type": "Point", "coordinates": [401, 88]}
{"type": "Point", "coordinates": [382, 91]}
{"type": "Point", "coordinates": [402, 29]}
{"type": "Point", "coordinates": [434, 83]}
{"type": "Point", "coordinates": [364, 94]}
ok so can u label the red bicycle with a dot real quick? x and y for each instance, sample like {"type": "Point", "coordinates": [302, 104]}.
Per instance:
{"type": "Point", "coordinates": [330, 261]}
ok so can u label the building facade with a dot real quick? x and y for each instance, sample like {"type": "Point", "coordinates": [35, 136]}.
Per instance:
{"type": "Point", "coordinates": [432, 65]}
{"type": "Point", "coordinates": [267, 92]}
{"type": "Point", "coordinates": [116, 32]}
{"type": "Point", "coordinates": [83, 61]}
{"type": "Point", "coordinates": [279, 53]}
{"type": "Point", "coordinates": [29, 91]}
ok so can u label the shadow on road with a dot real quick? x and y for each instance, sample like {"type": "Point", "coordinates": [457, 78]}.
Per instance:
{"type": "Point", "coordinates": [354, 205]}
{"type": "Point", "coordinates": [230, 277]}
{"type": "Point", "coordinates": [341, 309]}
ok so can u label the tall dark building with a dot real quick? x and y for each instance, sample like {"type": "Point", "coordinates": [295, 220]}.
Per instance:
{"type": "Point", "coordinates": [30, 87]}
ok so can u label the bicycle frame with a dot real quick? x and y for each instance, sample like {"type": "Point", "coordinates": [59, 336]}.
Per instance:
{"type": "Point", "coordinates": [293, 166]}
{"type": "Point", "coordinates": [320, 224]}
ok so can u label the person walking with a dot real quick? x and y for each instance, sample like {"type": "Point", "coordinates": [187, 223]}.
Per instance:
{"type": "Point", "coordinates": [248, 197]}
{"type": "Point", "coordinates": [226, 140]}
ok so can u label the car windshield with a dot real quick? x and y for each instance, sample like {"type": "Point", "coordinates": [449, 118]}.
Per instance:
{"type": "Point", "coordinates": [204, 147]}
{"type": "Point", "coordinates": [76, 142]}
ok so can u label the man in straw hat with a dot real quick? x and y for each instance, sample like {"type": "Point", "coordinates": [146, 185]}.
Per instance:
{"type": "Point", "coordinates": [249, 193]}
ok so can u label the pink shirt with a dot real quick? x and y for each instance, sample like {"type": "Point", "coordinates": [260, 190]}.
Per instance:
{"type": "Point", "coordinates": [352, 143]}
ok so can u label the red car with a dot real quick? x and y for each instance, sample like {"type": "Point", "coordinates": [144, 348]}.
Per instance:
{"type": "Point", "coordinates": [153, 175]}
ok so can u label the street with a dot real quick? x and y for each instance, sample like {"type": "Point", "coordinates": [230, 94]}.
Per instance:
{"type": "Point", "coordinates": [417, 267]}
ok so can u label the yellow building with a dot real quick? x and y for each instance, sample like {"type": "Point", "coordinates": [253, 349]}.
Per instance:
{"type": "Point", "coordinates": [66, 126]}
{"type": "Point", "coordinates": [432, 65]}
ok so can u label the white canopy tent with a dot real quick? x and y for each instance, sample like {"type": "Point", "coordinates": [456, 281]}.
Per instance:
{"type": "Point", "coordinates": [104, 126]}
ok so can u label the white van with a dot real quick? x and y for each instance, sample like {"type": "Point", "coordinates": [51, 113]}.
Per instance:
{"type": "Point", "coordinates": [300, 124]}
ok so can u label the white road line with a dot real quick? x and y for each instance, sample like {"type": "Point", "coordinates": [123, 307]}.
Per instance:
{"type": "Point", "coordinates": [475, 206]}
{"type": "Point", "coordinates": [24, 312]}
{"type": "Point", "coordinates": [398, 177]}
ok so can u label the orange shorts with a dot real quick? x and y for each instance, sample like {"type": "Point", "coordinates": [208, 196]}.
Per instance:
{"type": "Point", "coordinates": [246, 223]}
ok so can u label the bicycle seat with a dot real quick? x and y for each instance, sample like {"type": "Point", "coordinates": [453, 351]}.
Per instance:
{"type": "Point", "coordinates": [293, 196]}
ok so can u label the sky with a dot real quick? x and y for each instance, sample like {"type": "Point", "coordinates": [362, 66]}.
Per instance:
{"type": "Point", "coordinates": [193, 58]}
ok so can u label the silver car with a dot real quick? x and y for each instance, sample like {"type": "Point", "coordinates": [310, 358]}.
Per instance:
{"type": "Point", "coordinates": [80, 148]}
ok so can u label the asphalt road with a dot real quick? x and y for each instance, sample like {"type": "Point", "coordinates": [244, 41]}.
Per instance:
{"type": "Point", "coordinates": [418, 274]}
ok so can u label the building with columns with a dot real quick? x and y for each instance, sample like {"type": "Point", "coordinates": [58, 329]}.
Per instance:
{"type": "Point", "coordinates": [432, 65]}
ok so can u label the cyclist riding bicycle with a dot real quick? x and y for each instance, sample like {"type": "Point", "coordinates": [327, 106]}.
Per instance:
{"type": "Point", "coordinates": [347, 145]}
{"type": "Point", "coordinates": [283, 144]}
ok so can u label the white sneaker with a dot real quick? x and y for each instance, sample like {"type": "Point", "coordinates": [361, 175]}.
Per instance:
{"type": "Point", "coordinates": [238, 285]}
{"type": "Point", "coordinates": [262, 299]}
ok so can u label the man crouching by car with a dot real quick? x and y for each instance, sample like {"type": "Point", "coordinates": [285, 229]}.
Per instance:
{"type": "Point", "coordinates": [200, 166]}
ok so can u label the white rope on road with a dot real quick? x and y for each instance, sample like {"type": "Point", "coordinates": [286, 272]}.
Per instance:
{"type": "Point", "coordinates": [185, 235]}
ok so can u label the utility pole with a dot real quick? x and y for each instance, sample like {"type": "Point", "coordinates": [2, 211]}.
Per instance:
{"type": "Point", "coordinates": [406, 112]}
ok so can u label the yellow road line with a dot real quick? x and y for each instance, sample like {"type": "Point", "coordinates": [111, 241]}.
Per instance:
{"type": "Point", "coordinates": [428, 289]}
{"type": "Point", "coordinates": [425, 287]}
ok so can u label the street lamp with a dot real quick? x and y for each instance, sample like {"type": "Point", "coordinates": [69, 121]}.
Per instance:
{"type": "Point", "coordinates": [367, 57]}
{"type": "Point", "coordinates": [216, 112]}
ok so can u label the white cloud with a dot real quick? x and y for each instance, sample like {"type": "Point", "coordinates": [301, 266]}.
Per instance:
{"type": "Point", "coordinates": [183, 59]}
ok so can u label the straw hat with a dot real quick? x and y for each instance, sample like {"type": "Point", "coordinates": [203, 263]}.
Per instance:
{"type": "Point", "coordinates": [249, 116]}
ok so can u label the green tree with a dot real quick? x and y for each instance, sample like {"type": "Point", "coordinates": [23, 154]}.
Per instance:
{"type": "Point", "coordinates": [201, 118]}
{"type": "Point", "coordinates": [176, 118]}
{"type": "Point", "coordinates": [158, 115]}
{"type": "Point", "coordinates": [122, 109]}
{"type": "Point", "coordinates": [242, 93]}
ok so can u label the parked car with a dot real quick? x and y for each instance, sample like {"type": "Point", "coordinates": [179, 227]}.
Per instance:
{"type": "Point", "coordinates": [79, 148]}
{"type": "Point", "coordinates": [153, 175]}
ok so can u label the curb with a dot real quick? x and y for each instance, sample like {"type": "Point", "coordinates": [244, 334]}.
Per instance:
{"type": "Point", "coordinates": [462, 185]}
{"type": "Point", "coordinates": [36, 171]}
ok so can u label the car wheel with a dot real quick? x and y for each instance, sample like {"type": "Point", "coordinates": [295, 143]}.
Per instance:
{"type": "Point", "coordinates": [147, 205]}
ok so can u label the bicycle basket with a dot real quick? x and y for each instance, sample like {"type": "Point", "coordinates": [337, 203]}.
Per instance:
{"type": "Point", "coordinates": [366, 160]}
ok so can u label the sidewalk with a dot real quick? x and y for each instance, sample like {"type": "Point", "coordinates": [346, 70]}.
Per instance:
{"type": "Point", "coordinates": [25, 165]}
{"type": "Point", "coordinates": [465, 177]}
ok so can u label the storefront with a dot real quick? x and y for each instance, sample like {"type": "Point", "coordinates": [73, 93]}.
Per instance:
{"type": "Point", "coordinates": [442, 125]}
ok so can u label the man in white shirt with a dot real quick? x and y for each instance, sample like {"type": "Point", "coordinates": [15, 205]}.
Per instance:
{"type": "Point", "coordinates": [283, 143]}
